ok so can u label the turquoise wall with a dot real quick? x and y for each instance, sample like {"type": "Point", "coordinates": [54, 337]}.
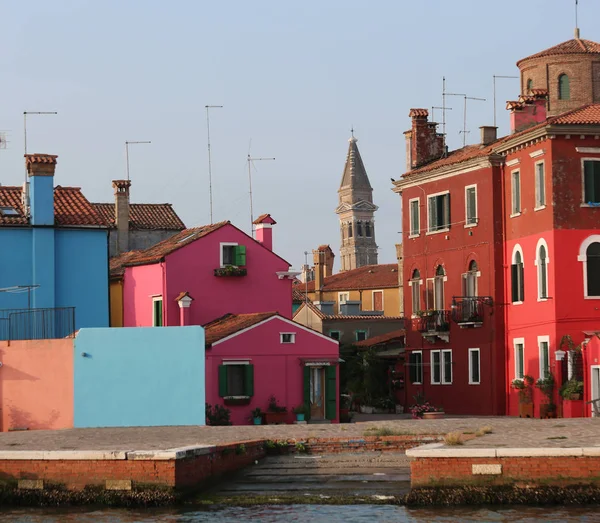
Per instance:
{"type": "Point", "coordinates": [139, 376]}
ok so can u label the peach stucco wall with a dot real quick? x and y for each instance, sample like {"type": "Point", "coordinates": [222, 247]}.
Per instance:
{"type": "Point", "coordinates": [36, 384]}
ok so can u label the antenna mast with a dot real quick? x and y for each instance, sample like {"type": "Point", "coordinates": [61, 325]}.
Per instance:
{"type": "Point", "coordinates": [576, 20]}
{"type": "Point", "coordinates": [127, 144]}
{"type": "Point", "coordinates": [250, 160]}
{"type": "Point", "coordinates": [209, 162]}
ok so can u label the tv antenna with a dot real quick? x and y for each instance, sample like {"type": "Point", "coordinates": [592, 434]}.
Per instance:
{"type": "Point", "coordinates": [576, 21]}
{"type": "Point", "coordinates": [498, 76]}
{"type": "Point", "coordinates": [464, 131]}
{"type": "Point", "coordinates": [207, 107]}
{"type": "Point", "coordinates": [250, 162]}
{"type": "Point", "coordinates": [127, 144]}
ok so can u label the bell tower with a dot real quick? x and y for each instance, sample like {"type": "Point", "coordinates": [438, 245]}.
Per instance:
{"type": "Point", "coordinates": [356, 213]}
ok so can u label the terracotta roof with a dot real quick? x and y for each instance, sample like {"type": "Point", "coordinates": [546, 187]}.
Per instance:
{"type": "Point", "coordinates": [40, 158]}
{"type": "Point", "coordinates": [264, 218]}
{"type": "Point", "coordinates": [338, 317]}
{"type": "Point", "coordinates": [367, 277]}
{"type": "Point", "coordinates": [117, 263]}
{"type": "Point", "coordinates": [586, 115]}
{"type": "Point", "coordinates": [183, 294]}
{"type": "Point", "coordinates": [418, 112]}
{"type": "Point", "coordinates": [157, 252]}
{"type": "Point", "coordinates": [71, 207]}
{"type": "Point", "coordinates": [382, 338]}
{"type": "Point", "coordinates": [147, 216]}
{"type": "Point", "coordinates": [574, 46]}
{"type": "Point", "coordinates": [232, 323]}
{"type": "Point", "coordinates": [297, 296]}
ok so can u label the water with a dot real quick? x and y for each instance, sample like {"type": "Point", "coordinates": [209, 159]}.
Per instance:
{"type": "Point", "coordinates": [308, 514]}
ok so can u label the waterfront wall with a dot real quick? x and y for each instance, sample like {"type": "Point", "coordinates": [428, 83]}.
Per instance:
{"type": "Point", "coordinates": [139, 377]}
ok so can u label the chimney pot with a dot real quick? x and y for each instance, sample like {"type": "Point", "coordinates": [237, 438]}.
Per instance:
{"type": "Point", "coordinates": [488, 134]}
{"type": "Point", "coordinates": [121, 188]}
{"type": "Point", "coordinates": [40, 168]}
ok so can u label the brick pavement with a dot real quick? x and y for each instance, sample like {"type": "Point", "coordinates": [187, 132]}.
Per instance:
{"type": "Point", "coordinates": [511, 432]}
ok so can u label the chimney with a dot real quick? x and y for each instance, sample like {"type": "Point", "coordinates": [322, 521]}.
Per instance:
{"type": "Point", "coordinates": [40, 168]}
{"type": "Point", "coordinates": [327, 257]}
{"type": "Point", "coordinates": [528, 111]}
{"type": "Point", "coordinates": [121, 188]}
{"type": "Point", "coordinates": [184, 300]}
{"type": "Point", "coordinates": [318, 260]}
{"type": "Point", "coordinates": [489, 134]}
{"type": "Point", "coordinates": [423, 142]}
{"type": "Point", "coordinates": [264, 230]}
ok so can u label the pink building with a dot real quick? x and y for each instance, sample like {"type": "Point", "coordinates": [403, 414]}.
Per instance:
{"type": "Point", "coordinates": [250, 357]}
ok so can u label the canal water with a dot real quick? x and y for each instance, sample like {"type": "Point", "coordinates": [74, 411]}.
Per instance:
{"type": "Point", "coordinates": [308, 514]}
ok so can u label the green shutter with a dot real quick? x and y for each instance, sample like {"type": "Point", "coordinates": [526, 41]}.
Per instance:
{"type": "Point", "coordinates": [589, 190]}
{"type": "Point", "coordinates": [249, 380]}
{"type": "Point", "coordinates": [222, 380]}
{"type": "Point", "coordinates": [240, 255]}
{"type": "Point", "coordinates": [307, 386]}
{"type": "Point", "coordinates": [330, 392]}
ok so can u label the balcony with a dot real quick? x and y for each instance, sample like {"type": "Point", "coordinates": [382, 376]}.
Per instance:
{"type": "Point", "coordinates": [434, 324]}
{"type": "Point", "coordinates": [37, 324]}
{"type": "Point", "coordinates": [468, 311]}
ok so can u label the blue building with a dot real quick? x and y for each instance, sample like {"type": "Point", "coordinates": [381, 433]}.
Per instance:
{"type": "Point", "coordinates": [54, 257]}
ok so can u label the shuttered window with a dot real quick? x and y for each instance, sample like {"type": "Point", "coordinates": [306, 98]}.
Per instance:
{"type": "Point", "coordinates": [439, 212]}
{"type": "Point", "coordinates": [436, 368]}
{"type": "Point", "coordinates": [517, 279]}
{"type": "Point", "coordinates": [540, 185]}
{"type": "Point", "coordinates": [474, 367]}
{"type": "Point", "coordinates": [447, 366]}
{"type": "Point", "coordinates": [544, 359]}
{"type": "Point", "coordinates": [415, 225]}
{"type": "Point", "coordinates": [471, 205]}
{"type": "Point", "coordinates": [415, 364]}
{"type": "Point", "coordinates": [236, 380]}
{"type": "Point", "coordinates": [593, 269]}
{"type": "Point", "coordinates": [516, 192]}
{"type": "Point", "coordinates": [234, 255]}
{"type": "Point", "coordinates": [542, 264]}
{"type": "Point", "coordinates": [591, 180]}
{"type": "Point", "coordinates": [564, 87]}
{"type": "Point", "coordinates": [519, 360]}
{"type": "Point", "coordinates": [157, 312]}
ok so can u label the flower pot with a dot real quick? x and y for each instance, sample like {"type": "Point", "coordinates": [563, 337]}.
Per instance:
{"type": "Point", "coordinates": [433, 415]}
{"type": "Point", "coordinates": [525, 410]}
{"type": "Point", "coordinates": [257, 420]}
{"type": "Point", "coordinates": [575, 396]}
{"type": "Point", "coordinates": [299, 417]}
{"type": "Point", "coordinates": [547, 411]}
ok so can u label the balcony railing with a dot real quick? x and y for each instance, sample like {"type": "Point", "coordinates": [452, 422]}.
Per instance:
{"type": "Point", "coordinates": [434, 321]}
{"type": "Point", "coordinates": [468, 311]}
{"type": "Point", "coordinates": [37, 324]}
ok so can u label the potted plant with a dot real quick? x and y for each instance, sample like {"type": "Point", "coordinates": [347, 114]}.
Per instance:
{"type": "Point", "coordinates": [546, 386]}
{"type": "Point", "coordinates": [345, 402]}
{"type": "Point", "coordinates": [523, 386]}
{"type": "Point", "coordinates": [275, 413]}
{"type": "Point", "coordinates": [256, 416]}
{"type": "Point", "coordinates": [301, 412]}
{"type": "Point", "coordinates": [423, 409]}
{"type": "Point", "coordinates": [572, 390]}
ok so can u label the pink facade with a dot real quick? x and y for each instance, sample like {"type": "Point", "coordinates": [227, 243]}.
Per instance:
{"type": "Point", "coordinates": [280, 369]}
{"type": "Point", "coordinates": [191, 269]}
{"type": "Point", "coordinates": [36, 380]}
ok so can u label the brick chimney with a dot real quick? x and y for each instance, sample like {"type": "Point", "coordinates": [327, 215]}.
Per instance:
{"type": "Point", "coordinates": [327, 257]}
{"type": "Point", "coordinates": [319, 262]}
{"type": "Point", "coordinates": [264, 230]}
{"type": "Point", "coordinates": [121, 188]}
{"type": "Point", "coordinates": [528, 111]}
{"type": "Point", "coordinates": [40, 168]}
{"type": "Point", "coordinates": [423, 142]}
{"type": "Point", "coordinates": [489, 134]}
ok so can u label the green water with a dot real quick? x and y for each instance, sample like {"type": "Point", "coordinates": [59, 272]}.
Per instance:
{"type": "Point", "coordinates": [308, 514]}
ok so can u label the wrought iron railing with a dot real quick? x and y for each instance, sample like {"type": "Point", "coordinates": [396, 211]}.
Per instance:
{"type": "Point", "coordinates": [434, 321]}
{"type": "Point", "coordinates": [37, 324]}
{"type": "Point", "coordinates": [469, 309]}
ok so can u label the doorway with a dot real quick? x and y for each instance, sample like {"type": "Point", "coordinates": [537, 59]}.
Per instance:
{"type": "Point", "coordinates": [317, 393]}
{"type": "Point", "coordinates": [595, 389]}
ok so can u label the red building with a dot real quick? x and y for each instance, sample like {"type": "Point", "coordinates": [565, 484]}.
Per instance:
{"type": "Point", "coordinates": [487, 229]}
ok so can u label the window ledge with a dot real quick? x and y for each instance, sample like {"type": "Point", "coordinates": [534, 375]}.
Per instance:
{"type": "Point", "coordinates": [515, 214]}
{"type": "Point", "coordinates": [410, 236]}
{"type": "Point", "coordinates": [469, 225]}
{"type": "Point", "coordinates": [474, 383]}
{"type": "Point", "coordinates": [540, 208]}
{"type": "Point", "coordinates": [438, 231]}
{"type": "Point", "coordinates": [593, 206]}
{"type": "Point", "coordinates": [517, 303]}
{"type": "Point", "coordinates": [591, 297]}
{"type": "Point", "coordinates": [542, 299]}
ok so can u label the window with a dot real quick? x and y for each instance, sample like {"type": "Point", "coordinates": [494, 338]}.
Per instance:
{"type": "Point", "coordinates": [415, 363]}
{"type": "Point", "coordinates": [542, 269]}
{"type": "Point", "coordinates": [415, 225]}
{"type": "Point", "coordinates": [436, 368]}
{"type": "Point", "coordinates": [377, 300]}
{"type": "Point", "coordinates": [474, 367]}
{"type": "Point", "coordinates": [540, 186]}
{"type": "Point", "coordinates": [564, 87]}
{"type": "Point", "coordinates": [439, 212]}
{"type": "Point", "coordinates": [519, 345]}
{"type": "Point", "coordinates": [415, 284]}
{"type": "Point", "coordinates": [343, 297]}
{"type": "Point", "coordinates": [471, 205]}
{"type": "Point", "coordinates": [517, 277]}
{"type": "Point", "coordinates": [593, 269]}
{"type": "Point", "coordinates": [529, 86]}
{"type": "Point", "coordinates": [438, 294]}
{"type": "Point", "coordinates": [544, 347]}
{"type": "Point", "coordinates": [233, 254]}
{"type": "Point", "coordinates": [236, 379]}
{"type": "Point", "coordinates": [361, 335]}
{"type": "Point", "coordinates": [591, 181]}
{"type": "Point", "coordinates": [359, 229]}
{"type": "Point", "coordinates": [334, 335]}
{"type": "Point", "coordinates": [470, 280]}
{"type": "Point", "coordinates": [368, 229]}
{"type": "Point", "coordinates": [516, 192]}
{"type": "Point", "coordinates": [447, 366]}
{"type": "Point", "coordinates": [350, 230]}
{"type": "Point", "coordinates": [157, 311]}
{"type": "Point", "coordinates": [8, 211]}
{"type": "Point", "coordinates": [287, 337]}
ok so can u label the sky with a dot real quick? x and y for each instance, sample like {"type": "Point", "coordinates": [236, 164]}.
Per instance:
{"type": "Point", "coordinates": [293, 79]}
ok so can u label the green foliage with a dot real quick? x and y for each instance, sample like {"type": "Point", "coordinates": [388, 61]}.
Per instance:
{"type": "Point", "coordinates": [301, 447]}
{"type": "Point", "coordinates": [256, 413]}
{"type": "Point", "coordinates": [546, 385]}
{"type": "Point", "coordinates": [217, 415]}
{"type": "Point", "coordinates": [274, 406]}
{"type": "Point", "coordinates": [240, 449]}
{"type": "Point", "coordinates": [571, 387]}
{"type": "Point", "coordinates": [364, 375]}
{"type": "Point", "coordinates": [302, 409]}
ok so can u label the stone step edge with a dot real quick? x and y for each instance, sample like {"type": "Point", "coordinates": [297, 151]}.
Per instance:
{"type": "Point", "coordinates": [439, 450]}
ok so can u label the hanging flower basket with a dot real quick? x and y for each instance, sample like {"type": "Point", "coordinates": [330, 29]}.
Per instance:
{"type": "Point", "coordinates": [230, 270]}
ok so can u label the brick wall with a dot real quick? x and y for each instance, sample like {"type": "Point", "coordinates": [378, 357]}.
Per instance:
{"type": "Point", "coordinates": [367, 444]}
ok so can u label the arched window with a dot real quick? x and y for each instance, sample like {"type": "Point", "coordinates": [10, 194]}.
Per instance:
{"type": "Point", "coordinates": [542, 268]}
{"type": "Point", "coordinates": [517, 277]}
{"type": "Point", "coordinates": [593, 269]}
{"type": "Point", "coordinates": [350, 230]}
{"type": "Point", "coordinates": [438, 288]}
{"type": "Point", "coordinates": [359, 229]}
{"type": "Point", "coordinates": [470, 280]}
{"type": "Point", "coordinates": [564, 87]}
{"type": "Point", "coordinates": [368, 229]}
{"type": "Point", "coordinates": [415, 284]}
{"type": "Point", "coordinates": [529, 86]}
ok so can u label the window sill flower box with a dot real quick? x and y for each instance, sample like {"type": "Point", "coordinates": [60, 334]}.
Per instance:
{"type": "Point", "coordinates": [230, 270]}
{"type": "Point", "coordinates": [236, 400]}
{"type": "Point", "coordinates": [275, 418]}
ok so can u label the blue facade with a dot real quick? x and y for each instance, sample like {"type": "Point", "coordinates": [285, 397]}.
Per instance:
{"type": "Point", "coordinates": [143, 376]}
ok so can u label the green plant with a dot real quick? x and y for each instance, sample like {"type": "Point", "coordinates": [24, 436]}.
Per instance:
{"type": "Point", "coordinates": [240, 449]}
{"type": "Point", "coordinates": [301, 447]}
{"type": "Point", "coordinates": [571, 387]}
{"type": "Point", "coordinates": [217, 415]}
{"type": "Point", "coordinates": [274, 406]}
{"type": "Point", "coordinates": [301, 409]}
{"type": "Point", "coordinates": [546, 386]}
{"type": "Point", "coordinates": [524, 387]}
{"type": "Point", "coordinates": [256, 413]}
{"type": "Point", "coordinates": [230, 270]}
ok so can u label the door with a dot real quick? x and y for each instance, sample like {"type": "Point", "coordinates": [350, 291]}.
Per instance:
{"type": "Point", "coordinates": [317, 393]}
{"type": "Point", "coordinates": [378, 300]}
{"type": "Point", "coordinates": [595, 392]}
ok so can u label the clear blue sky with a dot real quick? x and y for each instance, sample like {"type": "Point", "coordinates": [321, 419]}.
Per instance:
{"type": "Point", "coordinates": [293, 78]}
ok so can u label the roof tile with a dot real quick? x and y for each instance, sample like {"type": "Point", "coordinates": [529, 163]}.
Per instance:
{"type": "Point", "coordinates": [382, 338]}
{"type": "Point", "coordinates": [574, 46]}
{"type": "Point", "coordinates": [366, 277]}
{"type": "Point", "coordinates": [144, 216]}
{"type": "Point", "coordinates": [232, 323]}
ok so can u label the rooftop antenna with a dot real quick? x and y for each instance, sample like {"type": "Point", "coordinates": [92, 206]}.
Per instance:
{"type": "Point", "coordinates": [207, 107]}
{"type": "Point", "coordinates": [433, 107]}
{"type": "Point", "coordinates": [498, 76]}
{"type": "Point", "coordinates": [464, 131]}
{"type": "Point", "coordinates": [127, 144]}
{"type": "Point", "coordinates": [576, 21]}
{"type": "Point", "coordinates": [306, 285]}
{"type": "Point", "coordinates": [449, 94]}
{"type": "Point", "coordinates": [250, 160]}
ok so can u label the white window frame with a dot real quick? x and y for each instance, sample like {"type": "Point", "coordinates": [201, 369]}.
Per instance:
{"type": "Point", "coordinates": [411, 225]}
{"type": "Point", "coordinates": [292, 337]}
{"type": "Point", "coordinates": [474, 224]}
{"type": "Point", "coordinates": [539, 205]}
{"type": "Point", "coordinates": [412, 304]}
{"type": "Point", "coordinates": [445, 380]}
{"type": "Point", "coordinates": [582, 257]}
{"type": "Point", "coordinates": [514, 212]}
{"type": "Point", "coordinates": [342, 295]}
{"type": "Point", "coordinates": [422, 373]}
{"type": "Point", "coordinates": [225, 244]}
{"type": "Point", "coordinates": [382, 299]}
{"type": "Point", "coordinates": [519, 249]}
{"type": "Point", "coordinates": [154, 300]}
{"type": "Point", "coordinates": [471, 381]}
{"type": "Point", "coordinates": [541, 242]}
{"type": "Point", "coordinates": [437, 231]}
{"type": "Point", "coordinates": [439, 355]}
{"type": "Point", "coordinates": [519, 341]}
{"type": "Point", "coordinates": [540, 340]}
{"type": "Point", "coordinates": [583, 160]}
